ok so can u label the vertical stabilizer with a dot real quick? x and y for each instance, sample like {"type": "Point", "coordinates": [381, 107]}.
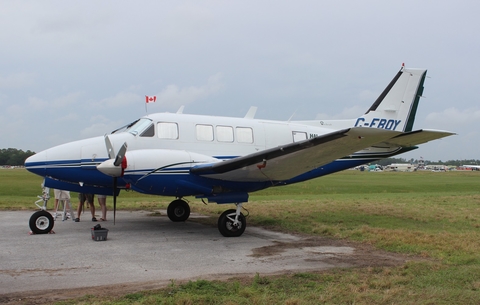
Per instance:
{"type": "Point", "coordinates": [396, 107]}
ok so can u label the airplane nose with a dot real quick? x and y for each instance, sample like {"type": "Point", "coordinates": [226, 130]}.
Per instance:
{"type": "Point", "coordinates": [37, 163]}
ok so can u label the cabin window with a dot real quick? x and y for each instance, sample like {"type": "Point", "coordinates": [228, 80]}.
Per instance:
{"type": "Point", "coordinates": [204, 132]}
{"type": "Point", "coordinates": [244, 135]}
{"type": "Point", "coordinates": [167, 130]}
{"type": "Point", "coordinates": [299, 136]}
{"type": "Point", "coordinates": [224, 134]}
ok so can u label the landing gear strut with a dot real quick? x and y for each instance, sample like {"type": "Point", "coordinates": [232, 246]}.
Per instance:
{"type": "Point", "coordinates": [178, 210]}
{"type": "Point", "coordinates": [232, 223]}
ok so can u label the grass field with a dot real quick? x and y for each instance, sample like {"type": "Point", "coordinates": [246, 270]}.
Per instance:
{"type": "Point", "coordinates": [432, 215]}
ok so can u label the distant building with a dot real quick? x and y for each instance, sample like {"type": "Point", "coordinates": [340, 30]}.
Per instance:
{"type": "Point", "coordinates": [400, 167]}
{"type": "Point", "coordinates": [436, 168]}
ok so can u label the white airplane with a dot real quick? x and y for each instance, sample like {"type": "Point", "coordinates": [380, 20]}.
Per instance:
{"type": "Point", "coordinates": [223, 159]}
{"type": "Point", "coordinates": [473, 167]}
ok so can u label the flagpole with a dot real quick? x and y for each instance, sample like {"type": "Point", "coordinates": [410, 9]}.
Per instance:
{"type": "Point", "coordinates": [146, 99]}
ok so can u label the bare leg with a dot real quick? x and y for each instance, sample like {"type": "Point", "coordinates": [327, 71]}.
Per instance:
{"type": "Point", "coordinates": [103, 205]}
{"type": "Point", "coordinates": [56, 206]}
{"type": "Point", "coordinates": [79, 210]}
{"type": "Point", "coordinates": [92, 209]}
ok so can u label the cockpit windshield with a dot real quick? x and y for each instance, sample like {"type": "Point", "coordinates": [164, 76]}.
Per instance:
{"type": "Point", "coordinates": [125, 127]}
{"type": "Point", "coordinates": [140, 127]}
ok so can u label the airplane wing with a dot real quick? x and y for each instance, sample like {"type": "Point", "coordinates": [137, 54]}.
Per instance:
{"type": "Point", "coordinates": [417, 137]}
{"type": "Point", "coordinates": [288, 161]}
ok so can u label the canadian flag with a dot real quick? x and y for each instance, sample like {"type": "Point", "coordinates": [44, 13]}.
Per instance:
{"type": "Point", "coordinates": [150, 99]}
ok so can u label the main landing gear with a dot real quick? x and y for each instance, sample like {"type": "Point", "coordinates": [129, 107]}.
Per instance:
{"type": "Point", "coordinates": [231, 223]}
{"type": "Point", "coordinates": [178, 210]}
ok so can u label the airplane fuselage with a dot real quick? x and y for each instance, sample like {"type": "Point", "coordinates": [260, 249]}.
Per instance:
{"type": "Point", "coordinates": [176, 143]}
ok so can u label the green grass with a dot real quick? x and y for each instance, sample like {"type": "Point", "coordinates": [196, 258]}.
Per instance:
{"type": "Point", "coordinates": [19, 190]}
{"type": "Point", "coordinates": [432, 215]}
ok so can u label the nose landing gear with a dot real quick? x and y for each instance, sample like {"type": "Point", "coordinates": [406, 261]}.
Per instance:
{"type": "Point", "coordinates": [41, 222]}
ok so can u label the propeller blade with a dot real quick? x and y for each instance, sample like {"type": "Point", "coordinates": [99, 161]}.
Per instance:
{"type": "Point", "coordinates": [109, 146]}
{"type": "Point", "coordinates": [120, 154]}
{"type": "Point", "coordinates": [107, 168]}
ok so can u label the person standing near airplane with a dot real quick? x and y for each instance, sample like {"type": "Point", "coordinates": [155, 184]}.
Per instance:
{"type": "Point", "coordinates": [102, 202]}
{"type": "Point", "coordinates": [89, 199]}
{"type": "Point", "coordinates": [60, 195]}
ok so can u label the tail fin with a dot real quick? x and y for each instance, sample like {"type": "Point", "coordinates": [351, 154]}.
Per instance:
{"type": "Point", "coordinates": [396, 107]}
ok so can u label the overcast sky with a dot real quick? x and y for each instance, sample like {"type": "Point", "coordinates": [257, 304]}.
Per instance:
{"type": "Point", "coordinates": [76, 69]}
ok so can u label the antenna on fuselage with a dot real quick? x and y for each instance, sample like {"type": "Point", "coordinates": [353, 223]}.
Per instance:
{"type": "Point", "coordinates": [291, 117]}
{"type": "Point", "coordinates": [180, 110]}
{"type": "Point", "coordinates": [251, 113]}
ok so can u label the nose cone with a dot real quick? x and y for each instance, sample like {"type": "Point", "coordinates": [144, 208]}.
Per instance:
{"type": "Point", "coordinates": [108, 168]}
{"type": "Point", "coordinates": [37, 163]}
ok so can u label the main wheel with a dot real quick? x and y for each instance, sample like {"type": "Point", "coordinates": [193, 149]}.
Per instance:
{"type": "Point", "coordinates": [41, 222]}
{"type": "Point", "coordinates": [226, 226]}
{"type": "Point", "coordinates": [178, 210]}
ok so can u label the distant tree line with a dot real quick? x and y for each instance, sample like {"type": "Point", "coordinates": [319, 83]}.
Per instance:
{"type": "Point", "coordinates": [388, 161]}
{"type": "Point", "coordinates": [13, 156]}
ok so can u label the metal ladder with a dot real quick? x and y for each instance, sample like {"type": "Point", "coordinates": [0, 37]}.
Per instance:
{"type": "Point", "coordinates": [67, 206]}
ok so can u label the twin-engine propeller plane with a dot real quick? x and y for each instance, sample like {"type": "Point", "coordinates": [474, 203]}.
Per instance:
{"type": "Point", "coordinates": [223, 159]}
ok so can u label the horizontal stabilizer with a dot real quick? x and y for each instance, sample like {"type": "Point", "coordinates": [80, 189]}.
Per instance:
{"type": "Point", "coordinates": [418, 137]}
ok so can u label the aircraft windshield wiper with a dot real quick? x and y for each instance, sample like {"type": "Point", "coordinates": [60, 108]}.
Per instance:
{"type": "Point", "coordinates": [125, 127]}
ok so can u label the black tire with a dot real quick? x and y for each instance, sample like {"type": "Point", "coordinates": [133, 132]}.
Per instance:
{"type": "Point", "coordinates": [178, 210]}
{"type": "Point", "coordinates": [226, 227]}
{"type": "Point", "coordinates": [41, 222]}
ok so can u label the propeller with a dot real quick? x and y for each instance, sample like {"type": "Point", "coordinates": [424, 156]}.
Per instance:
{"type": "Point", "coordinates": [114, 167]}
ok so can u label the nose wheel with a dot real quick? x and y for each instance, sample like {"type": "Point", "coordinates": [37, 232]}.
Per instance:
{"type": "Point", "coordinates": [41, 222]}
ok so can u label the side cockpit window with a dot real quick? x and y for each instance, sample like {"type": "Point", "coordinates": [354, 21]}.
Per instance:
{"type": "Point", "coordinates": [149, 132]}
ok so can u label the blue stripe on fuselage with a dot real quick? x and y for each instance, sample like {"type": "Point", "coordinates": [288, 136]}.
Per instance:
{"type": "Point", "coordinates": [168, 181]}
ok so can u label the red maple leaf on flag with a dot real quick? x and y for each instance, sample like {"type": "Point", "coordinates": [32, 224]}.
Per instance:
{"type": "Point", "coordinates": [150, 99]}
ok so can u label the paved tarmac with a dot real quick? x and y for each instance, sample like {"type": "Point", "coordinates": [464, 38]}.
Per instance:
{"type": "Point", "coordinates": [145, 248]}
